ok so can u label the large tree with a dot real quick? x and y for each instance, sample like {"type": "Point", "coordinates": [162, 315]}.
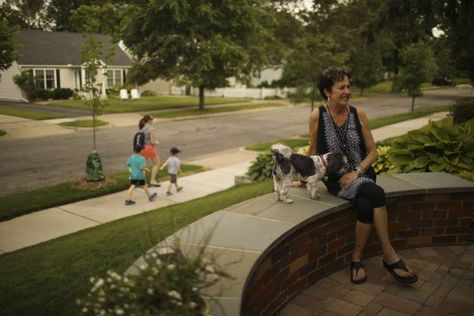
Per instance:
{"type": "Point", "coordinates": [203, 42]}
{"type": "Point", "coordinates": [7, 45]}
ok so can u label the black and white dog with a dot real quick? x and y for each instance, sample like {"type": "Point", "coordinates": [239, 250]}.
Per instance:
{"type": "Point", "coordinates": [311, 168]}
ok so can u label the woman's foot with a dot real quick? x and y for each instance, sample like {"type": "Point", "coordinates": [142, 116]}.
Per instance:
{"type": "Point", "coordinates": [399, 270]}
{"type": "Point", "coordinates": [154, 184]}
{"type": "Point", "coordinates": [358, 274]}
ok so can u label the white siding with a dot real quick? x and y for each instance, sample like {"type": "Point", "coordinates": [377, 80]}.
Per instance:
{"type": "Point", "coordinates": [66, 77]}
{"type": "Point", "coordinates": [8, 88]}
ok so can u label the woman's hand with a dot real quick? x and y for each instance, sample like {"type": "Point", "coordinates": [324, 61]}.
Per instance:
{"type": "Point", "coordinates": [347, 179]}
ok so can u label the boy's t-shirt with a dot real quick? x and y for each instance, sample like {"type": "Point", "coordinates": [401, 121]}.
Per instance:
{"type": "Point", "coordinates": [173, 164]}
{"type": "Point", "coordinates": [136, 163]}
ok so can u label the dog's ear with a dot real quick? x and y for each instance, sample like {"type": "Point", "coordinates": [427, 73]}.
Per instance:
{"type": "Point", "coordinates": [335, 163]}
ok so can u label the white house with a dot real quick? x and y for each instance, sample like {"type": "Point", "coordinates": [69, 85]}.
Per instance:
{"type": "Point", "coordinates": [55, 60]}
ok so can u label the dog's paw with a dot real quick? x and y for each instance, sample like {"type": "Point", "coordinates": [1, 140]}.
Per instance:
{"type": "Point", "coordinates": [287, 201]}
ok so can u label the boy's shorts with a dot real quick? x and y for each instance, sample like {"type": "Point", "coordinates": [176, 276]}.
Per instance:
{"type": "Point", "coordinates": [172, 178]}
{"type": "Point", "coordinates": [137, 183]}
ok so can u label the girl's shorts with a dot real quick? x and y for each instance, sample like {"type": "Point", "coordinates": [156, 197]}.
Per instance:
{"type": "Point", "coordinates": [149, 152]}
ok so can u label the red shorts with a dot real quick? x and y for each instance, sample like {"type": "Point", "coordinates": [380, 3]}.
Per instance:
{"type": "Point", "coordinates": [149, 152]}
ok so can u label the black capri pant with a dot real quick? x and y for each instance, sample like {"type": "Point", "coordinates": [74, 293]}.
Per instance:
{"type": "Point", "coordinates": [369, 196]}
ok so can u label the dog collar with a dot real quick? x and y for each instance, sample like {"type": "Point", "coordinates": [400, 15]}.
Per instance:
{"type": "Point", "coordinates": [323, 161]}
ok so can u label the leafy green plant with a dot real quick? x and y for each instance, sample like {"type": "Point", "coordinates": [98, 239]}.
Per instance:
{"type": "Point", "coordinates": [439, 146]}
{"type": "Point", "coordinates": [148, 93]}
{"type": "Point", "coordinates": [26, 82]}
{"type": "Point", "coordinates": [261, 168]}
{"type": "Point", "coordinates": [383, 163]}
{"type": "Point", "coordinates": [165, 284]}
{"type": "Point", "coordinates": [462, 110]}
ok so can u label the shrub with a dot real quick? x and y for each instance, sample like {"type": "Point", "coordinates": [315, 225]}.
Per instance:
{"type": "Point", "coordinates": [169, 284]}
{"type": "Point", "coordinates": [261, 168]}
{"type": "Point", "coordinates": [112, 92]}
{"type": "Point", "coordinates": [42, 94]}
{"type": "Point", "coordinates": [383, 163]}
{"type": "Point", "coordinates": [439, 146]}
{"type": "Point", "coordinates": [463, 110]}
{"type": "Point", "coordinates": [148, 93]}
{"type": "Point", "coordinates": [26, 82]}
{"type": "Point", "coordinates": [62, 93]}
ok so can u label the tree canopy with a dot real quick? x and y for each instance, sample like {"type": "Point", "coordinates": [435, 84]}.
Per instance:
{"type": "Point", "coordinates": [202, 42]}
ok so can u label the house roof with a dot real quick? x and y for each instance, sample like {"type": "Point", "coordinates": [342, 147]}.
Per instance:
{"type": "Point", "coordinates": [61, 48]}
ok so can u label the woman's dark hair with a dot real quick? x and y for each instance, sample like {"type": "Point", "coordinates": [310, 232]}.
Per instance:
{"type": "Point", "coordinates": [329, 77]}
{"type": "Point", "coordinates": [145, 119]}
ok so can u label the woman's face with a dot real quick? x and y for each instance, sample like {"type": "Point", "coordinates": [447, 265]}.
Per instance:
{"type": "Point", "coordinates": [340, 92]}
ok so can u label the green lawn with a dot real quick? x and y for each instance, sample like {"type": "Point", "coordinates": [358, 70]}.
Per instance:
{"type": "Point", "coordinates": [31, 114]}
{"type": "Point", "coordinates": [14, 205]}
{"type": "Point", "coordinates": [46, 279]}
{"type": "Point", "coordinates": [148, 103]}
{"type": "Point", "coordinates": [84, 123]}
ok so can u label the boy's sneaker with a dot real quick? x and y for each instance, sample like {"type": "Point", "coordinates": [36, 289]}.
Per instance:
{"type": "Point", "coordinates": [152, 197]}
{"type": "Point", "coordinates": [129, 202]}
{"type": "Point", "coordinates": [168, 193]}
{"type": "Point", "coordinates": [179, 189]}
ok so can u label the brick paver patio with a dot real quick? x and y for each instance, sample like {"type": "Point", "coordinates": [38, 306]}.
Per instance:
{"type": "Point", "coordinates": [445, 287]}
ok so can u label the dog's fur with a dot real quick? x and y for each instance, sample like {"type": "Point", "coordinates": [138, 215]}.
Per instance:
{"type": "Point", "coordinates": [311, 168]}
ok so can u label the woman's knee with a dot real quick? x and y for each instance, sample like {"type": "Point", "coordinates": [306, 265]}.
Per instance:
{"type": "Point", "coordinates": [374, 193]}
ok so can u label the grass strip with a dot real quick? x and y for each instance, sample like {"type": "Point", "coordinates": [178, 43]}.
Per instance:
{"type": "Point", "coordinates": [30, 114]}
{"type": "Point", "coordinates": [18, 204]}
{"type": "Point", "coordinates": [384, 121]}
{"type": "Point", "coordinates": [215, 110]}
{"type": "Point", "coordinates": [148, 103]}
{"type": "Point", "coordinates": [84, 123]}
{"type": "Point", "coordinates": [52, 275]}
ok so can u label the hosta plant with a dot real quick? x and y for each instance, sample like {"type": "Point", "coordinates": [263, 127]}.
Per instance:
{"type": "Point", "coordinates": [261, 167]}
{"type": "Point", "coordinates": [383, 163]}
{"type": "Point", "coordinates": [164, 285]}
{"type": "Point", "coordinates": [439, 146]}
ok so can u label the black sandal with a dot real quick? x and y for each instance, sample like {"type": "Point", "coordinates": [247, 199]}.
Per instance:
{"type": "Point", "coordinates": [402, 266]}
{"type": "Point", "coordinates": [357, 265]}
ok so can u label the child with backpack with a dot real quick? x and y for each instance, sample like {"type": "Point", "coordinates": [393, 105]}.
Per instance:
{"type": "Point", "coordinates": [136, 165]}
{"type": "Point", "coordinates": [174, 168]}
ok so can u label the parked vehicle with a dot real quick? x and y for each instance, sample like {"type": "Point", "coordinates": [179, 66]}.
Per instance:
{"type": "Point", "coordinates": [441, 81]}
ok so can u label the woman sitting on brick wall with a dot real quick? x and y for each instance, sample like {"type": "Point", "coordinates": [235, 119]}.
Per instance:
{"type": "Point", "coordinates": [339, 127]}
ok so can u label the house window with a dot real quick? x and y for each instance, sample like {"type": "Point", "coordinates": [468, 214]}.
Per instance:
{"type": "Point", "coordinates": [115, 77]}
{"type": "Point", "coordinates": [45, 78]}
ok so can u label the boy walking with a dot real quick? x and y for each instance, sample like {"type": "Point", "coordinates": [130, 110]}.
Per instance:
{"type": "Point", "coordinates": [136, 165]}
{"type": "Point", "coordinates": [174, 168]}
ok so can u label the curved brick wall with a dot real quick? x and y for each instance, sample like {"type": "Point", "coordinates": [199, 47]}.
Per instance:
{"type": "Point", "coordinates": [324, 245]}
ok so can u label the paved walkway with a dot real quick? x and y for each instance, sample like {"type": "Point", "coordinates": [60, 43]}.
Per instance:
{"type": "Point", "coordinates": [445, 287]}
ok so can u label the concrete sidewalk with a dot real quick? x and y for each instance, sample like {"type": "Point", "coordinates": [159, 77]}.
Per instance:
{"type": "Point", "coordinates": [51, 223]}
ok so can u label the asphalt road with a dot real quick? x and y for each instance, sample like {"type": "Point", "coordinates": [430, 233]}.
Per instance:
{"type": "Point", "coordinates": [36, 162]}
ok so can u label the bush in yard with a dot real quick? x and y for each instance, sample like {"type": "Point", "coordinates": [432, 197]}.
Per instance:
{"type": "Point", "coordinates": [166, 284]}
{"type": "Point", "coordinates": [439, 146]}
{"type": "Point", "coordinates": [148, 93]}
{"type": "Point", "coordinates": [62, 93]}
{"type": "Point", "coordinates": [26, 82]}
{"type": "Point", "coordinates": [463, 110]}
{"type": "Point", "coordinates": [42, 94]}
{"type": "Point", "coordinates": [261, 168]}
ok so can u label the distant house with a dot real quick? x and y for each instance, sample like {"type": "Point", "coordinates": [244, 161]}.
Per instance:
{"type": "Point", "coordinates": [55, 60]}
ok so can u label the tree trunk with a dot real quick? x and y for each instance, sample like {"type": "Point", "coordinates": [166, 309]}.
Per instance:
{"type": "Point", "coordinates": [412, 104]}
{"type": "Point", "coordinates": [201, 97]}
{"type": "Point", "coordinates": [93, 129]}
